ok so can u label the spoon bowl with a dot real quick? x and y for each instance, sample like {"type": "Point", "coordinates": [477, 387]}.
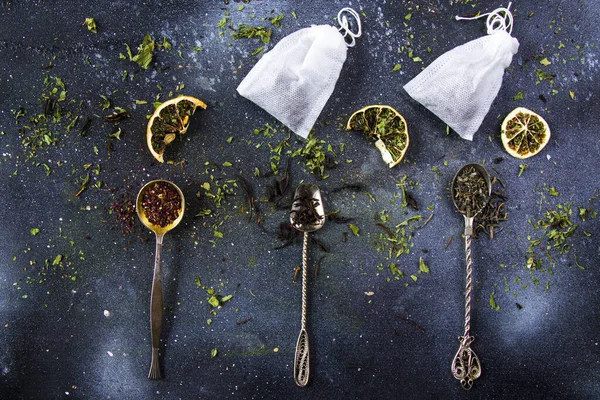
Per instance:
{"type": "Point", "coordinates": [483, 197]}
{"type": "Point", "coordinates": [307, 215]}
{"type": "Point", "coordinates": [160, 206]}
{"type": "Point", "coordinates": [141, 212]}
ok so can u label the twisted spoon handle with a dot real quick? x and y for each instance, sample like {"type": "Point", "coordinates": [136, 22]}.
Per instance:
{"type": "Point", "coordinates": [466, 366]}
{"type": "Point", "coordinates": [156, 308]}
{"type": "Point", "coordinates": [301, 360]}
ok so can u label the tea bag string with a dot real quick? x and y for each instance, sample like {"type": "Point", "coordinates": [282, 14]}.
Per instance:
{"type": "Point", "coordinates": [345, 26]}
{"type": "Point", "coordinates": [500, 19]}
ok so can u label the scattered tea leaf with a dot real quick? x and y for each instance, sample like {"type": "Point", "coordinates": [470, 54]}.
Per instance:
{"type": "Point", "coordinates": [145, 52]}
{"type": "Point", "coordinates": [91, 25]}
{"type": "Point", "coordinates": [422, 266]}
{"type": "Point", "coordinates": [493, 302]}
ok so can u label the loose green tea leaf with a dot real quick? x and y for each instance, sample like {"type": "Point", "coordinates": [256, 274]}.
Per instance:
{"type": "Point", "coordinates": [470, 191]}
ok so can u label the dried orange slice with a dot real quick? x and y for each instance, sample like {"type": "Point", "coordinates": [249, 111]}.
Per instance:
{"type": "Point", "coordinates": [386, 126]}
{"type": "Point", "coordinates": [524, 133]}
{"type": "Point", "coordinates": [169, 119]}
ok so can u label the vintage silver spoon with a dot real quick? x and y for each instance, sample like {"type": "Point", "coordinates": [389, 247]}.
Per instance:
{"type": "Point", "coordinates": [471, 190]}
{"type": "Point", "coordinates": [307, 215]}
{"type": "Point", "coordinates": [156, 296]}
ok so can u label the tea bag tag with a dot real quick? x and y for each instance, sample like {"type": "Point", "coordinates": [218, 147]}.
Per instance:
{"type": "Point", "coordinates": [460, 85]}
{"type": "Point", "coordinates": [295, 79]}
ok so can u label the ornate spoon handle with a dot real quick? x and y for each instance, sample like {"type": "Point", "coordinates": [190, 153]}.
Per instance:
{"type": "Point", "coordinates": [466, 366]}
{"type": "Point", "coordinates": [302, 357]}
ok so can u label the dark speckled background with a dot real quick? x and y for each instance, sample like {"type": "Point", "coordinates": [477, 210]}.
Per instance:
{"type": "Point", "coordinates": [79, 329]}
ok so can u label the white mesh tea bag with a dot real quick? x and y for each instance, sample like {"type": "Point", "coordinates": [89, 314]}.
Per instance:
{"type": "Point", "coordinates": [460, 86]}
{"type": "Point", "coordinates": [294, 80]}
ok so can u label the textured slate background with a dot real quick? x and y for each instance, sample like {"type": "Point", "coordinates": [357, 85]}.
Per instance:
{"type": "Point", "coordinates": [55, 338]}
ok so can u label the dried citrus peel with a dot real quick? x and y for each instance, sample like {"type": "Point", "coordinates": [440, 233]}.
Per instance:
{"type": "Point", "coordinates": [524, 133]}
{"type": "Point", "coordinates": [387, 127]}
{"type": "Point", "coordinates": [169, 119]}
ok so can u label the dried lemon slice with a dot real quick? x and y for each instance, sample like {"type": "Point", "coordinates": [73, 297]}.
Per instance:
{"type": "Point", "coordinates": [386, 126]}
{"type": "Point", "coordinates": [524, 133]}
{"type": "Point", "coordinates": [169, 119]}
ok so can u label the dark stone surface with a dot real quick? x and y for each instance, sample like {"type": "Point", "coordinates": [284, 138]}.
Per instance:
{"type": "Point", "coordinates": [55, 338]}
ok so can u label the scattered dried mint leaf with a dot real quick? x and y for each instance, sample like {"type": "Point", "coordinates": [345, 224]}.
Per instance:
{"type": "Point", "coordinates": [214, 301]}
{"type": "Point", "coordinates": [544, 76]}
{"type": "Point", "coordinates": [223, 22]}
{"type": "Point", "coordinates": [493, 304]}
{"type": "Point", "coordinates": [276, 21]}
{"type": "Point", "coordinates": [165, 44]}
{"type": "Point", "coordinates": [226, 298]}
{"type": "Point", "coordinates": [250, 32]}
{"type": "Point", "coordinates": [57, 259]}
{"type": "Point", "coordinates": [315, 157]}
{"type": "Point", "coordinates": [423, 268]}
{"type": "Point", "coordinates": [91, 25]}
{"type": "Point", "coordinates": [145, 52]}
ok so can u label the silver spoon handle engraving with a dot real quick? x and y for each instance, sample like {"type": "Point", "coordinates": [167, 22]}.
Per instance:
{"type": "Point", "coordinates": [301, 360]}
{"type": "Point", "coordinates": [466, 366]}
{"type": "Point", "coordinates": [156, 309]}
